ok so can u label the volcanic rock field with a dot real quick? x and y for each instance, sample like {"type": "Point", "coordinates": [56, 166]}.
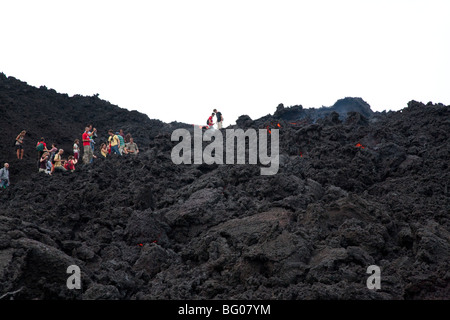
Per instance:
{"type": "Point", "coordinates": [355, 188]}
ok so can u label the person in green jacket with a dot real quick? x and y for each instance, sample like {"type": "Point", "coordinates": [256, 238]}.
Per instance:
{"type": "Point", "coordinates": [122, 142]}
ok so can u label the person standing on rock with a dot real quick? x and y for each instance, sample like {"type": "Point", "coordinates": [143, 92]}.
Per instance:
{"type": "Point", "coordinates": [41, 147]}
{"type": "Point", "coordinates": [122, 142]}
{"type": "Point", "coordinates": [92, 134]}
{"type": "Point", "coordinates": [76, 149]}
{"type": "Point", "coordinates": [19, 144]}
{"type": "Point", "coordinates": [127, 137]}
{"type": "Point", "coordinates": [52, 152]}
{"type": "Point", "coordinates": [87, 149]}
{"type": "Point", "coordinates": [4, 176]}
{"type": "Point", "coordinates": [219, 118]}
{"type": "Point", "coordinates": [210, 121]}
{"type": "Point", "coordinates": [114, 142]}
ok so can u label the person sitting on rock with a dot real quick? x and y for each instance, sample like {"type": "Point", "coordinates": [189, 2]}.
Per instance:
{"type": "Point", "coordinates": [131, 147]}
{"type": "Point", "coordinates": [58, 162]}
{"type": "Point", "coordinates": [104, 150]}
{"type": "Point", "coordinates": [43, 162]}
{"type": "Point", "coordinates": [70, 164]}
{"type": "Point", "coordinates": [4, 176]}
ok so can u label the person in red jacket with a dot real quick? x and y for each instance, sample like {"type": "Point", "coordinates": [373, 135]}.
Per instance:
{"type": "Point", "coordinates": [87, 149]}
{"type": "Point", "coordinates": [210, 120]}
{"type": "Point", "coordinates": [70, 164]}
{"type": "Point", "coordinates": [41, 147]}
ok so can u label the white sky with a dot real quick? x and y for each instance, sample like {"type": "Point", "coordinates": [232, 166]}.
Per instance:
{"type": "Point", "coordinates": [179, 59]}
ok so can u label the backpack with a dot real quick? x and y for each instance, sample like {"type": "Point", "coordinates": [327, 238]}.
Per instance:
{"type": "Point", "coordinates": [40, 146]}
{"type": "Point", "coordinates": [207, 122]}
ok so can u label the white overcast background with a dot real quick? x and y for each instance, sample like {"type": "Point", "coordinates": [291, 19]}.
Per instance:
{"type": "Point", "coordinates": [176, 60]}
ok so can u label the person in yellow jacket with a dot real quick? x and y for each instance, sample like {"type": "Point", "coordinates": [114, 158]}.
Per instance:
{"type": "Point", "coordinates": [114, 143]}
{"type": "Point", "coordinates": [104, 150]}
{"type": "Point", "coordinates": [58, 162]}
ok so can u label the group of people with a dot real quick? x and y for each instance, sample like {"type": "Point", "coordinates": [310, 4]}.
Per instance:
{"type": "Point", "coordinates": [219, 118]}
{"type": "Point", "coordinates": [118, 143]}
{"type": "Point", "coordinates": [50, 159]}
